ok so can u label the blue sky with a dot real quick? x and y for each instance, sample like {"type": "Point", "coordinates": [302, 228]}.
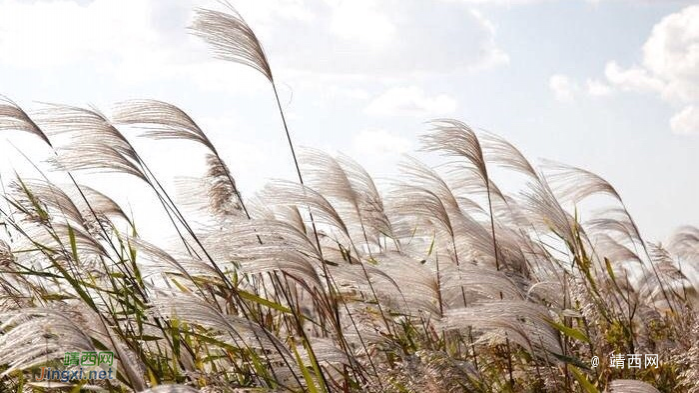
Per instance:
{"type": "Point", "coordinates": [608, 85]}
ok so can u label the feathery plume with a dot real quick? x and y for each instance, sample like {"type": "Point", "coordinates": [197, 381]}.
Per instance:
{"type": "Point", "coordinates": [12, 117]}
{"type": "Point", "coordinates": [231, 38]}
{"type": "Point", "coordinates": [630, 386]}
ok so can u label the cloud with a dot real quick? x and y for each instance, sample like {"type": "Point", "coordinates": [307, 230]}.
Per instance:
{"type": "Point", "coordinates": [56, 33]}
{"type": "Point", "coordinates": [672, 54]}
{"type": "Point", "coordinates": [377, 29]}
{"type": "Point", "coordinates": [379, 142]}
{"type": "Point", "coordinates": [632, 79]}
{"type": "Point", "coordinates": [130, 41]}
{"type": "Point", "coordinates": [567, 89]}
{"type": "Point", "coordinates": [141, 40]}
{"type": "Point", "coordinates": [563, 87]}
{"type": "Point", "coordinates": [410, 101]}
{"type": "Point", "coordinates": [670, 67]}
{"type": "Point", "coordinates": [382, 37]}
{"type": "Point", "coordinates": [505, 2]}
{"type": "Point", "coordinates": [686, 122]}
{"type": "Point", "coordinates": [598, 88]}
{"type": "Point", "coordinates": [594, 2]}
{"type": "Point", "coordinates": [352, 93]}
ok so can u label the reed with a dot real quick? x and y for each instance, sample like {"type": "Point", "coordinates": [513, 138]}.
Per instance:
{"type": "Point", "coordinates": [444, 282]}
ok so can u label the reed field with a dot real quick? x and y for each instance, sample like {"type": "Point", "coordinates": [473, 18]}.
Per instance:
{"type": "Point", "coordinates": [441, 281]}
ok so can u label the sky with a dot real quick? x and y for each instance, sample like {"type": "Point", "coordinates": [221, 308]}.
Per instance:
{"type": "Point", "coordinates": [611, 86]}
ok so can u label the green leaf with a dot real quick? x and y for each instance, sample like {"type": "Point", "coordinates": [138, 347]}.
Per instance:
{"type": "Point", "coordinates": [582, 380]}
{"type": "Point", "coordinates": [608, 264]}
{"type": "Point", "coordinates": [268, 303]}
{"type": "Point", "coordinates": [73, 243]}
{"type": "Point", "coordinates": [310, 382]}
{"type": "Point", "coordinates": [570, 360]}
{"type": "Point", "coordinates": [569, 331]}
{"type": "Point", "coordinates": [56, 297]}
{"type": "Point", "coordinates": [315, 364]}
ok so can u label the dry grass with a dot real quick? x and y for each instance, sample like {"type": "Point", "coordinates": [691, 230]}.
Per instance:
{"type": "Point", "coordinates": [443, 283]}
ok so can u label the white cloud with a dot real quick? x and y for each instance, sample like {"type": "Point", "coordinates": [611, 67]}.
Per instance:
{"type": "Point", "coordinates": [598, 88]}
{"type": "Point", "coordinates": [670, 67]}
{"type": "Point", "coordinates": [56, 33]}
{"type": "Point", "coordinates": [378, 142]}
{"type": "Point", "coordinates": [353, 93]}
{"type": "Point", "coordinates": [262, 13]}
{"type": "Point", "coordinates": [384, 37]}
{"type": "Point", "coordinates": [672, 54]}
{"type": "Point", "coordinates": [563, 87]}
{"type": "Point", "coordinates": [377, 29]}
{"type": "Point", "coordinates": [141, 40]}
{"type": "Point", "coordinates": [593, 2]}
{"type": "Point", "coordinates": [504, 2]}
{"type": "Point", "coordinates": [411, 101]}
{"type": "Point", "coordinates": [686, 122]}
{"type": "Point", "coordinates": [492, 55]}
{"type": "Point", "coordinates": [567, 89]}
{"type": "Point", "coordinates": [132, 41]}
{"type": "Point", "coordinates": [632, 79]}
